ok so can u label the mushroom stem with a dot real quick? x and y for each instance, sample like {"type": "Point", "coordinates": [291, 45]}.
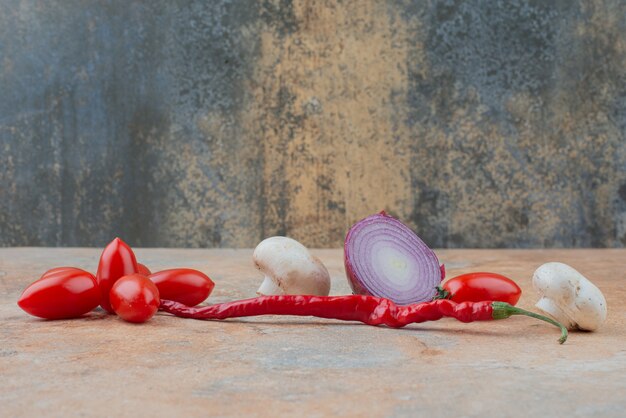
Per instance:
{"type": "Point", "coordinates": [269, 287]}
{"type": "Point", "coordinates": [555, 311]}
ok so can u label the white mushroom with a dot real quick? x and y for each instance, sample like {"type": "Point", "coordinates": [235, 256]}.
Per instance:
{"type": "Point", "coordinates": [569, 297]}
{"type": "Point", "coordinates": [290, 269]}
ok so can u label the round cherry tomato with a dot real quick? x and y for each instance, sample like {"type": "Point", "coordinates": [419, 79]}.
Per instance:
{"type": "Point", "coordinates": [187, 286]}
{"type": "Point", "coordinates": [477, 287]}
{"type": "Point", "coordinates": [117, 260]}
{"type": "Point", "coordinates": [143, 269]}
{"type": "Point", "coordinates": [61, 293]}
{"type": "Point", "coordinates": [134, 298]}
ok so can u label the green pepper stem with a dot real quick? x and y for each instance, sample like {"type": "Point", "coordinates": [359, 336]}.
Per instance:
{"type": "Point", "coordinates": [502, 310]}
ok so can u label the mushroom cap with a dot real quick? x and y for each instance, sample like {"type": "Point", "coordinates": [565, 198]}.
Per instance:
{"type": "Point", "coordinates": [291, 267]}
{"type": "Point", "coordinates": [569, 296]}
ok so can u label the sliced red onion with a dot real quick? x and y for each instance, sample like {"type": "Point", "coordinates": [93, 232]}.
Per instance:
{"type": "Point", "coordinates": [385, 258]}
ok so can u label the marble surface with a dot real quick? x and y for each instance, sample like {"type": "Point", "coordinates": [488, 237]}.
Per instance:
{"type": "Point", "coordinates": [291, 366]}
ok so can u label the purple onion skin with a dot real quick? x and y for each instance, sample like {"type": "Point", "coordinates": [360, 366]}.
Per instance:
{"type": "Point", "coordinates": [355, 282]}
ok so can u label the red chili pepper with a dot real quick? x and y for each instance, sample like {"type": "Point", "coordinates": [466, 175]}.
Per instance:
{"type": "Point", "coordinates": [117, 260]}
{"type": "Point", "coordinates": [369, 310]}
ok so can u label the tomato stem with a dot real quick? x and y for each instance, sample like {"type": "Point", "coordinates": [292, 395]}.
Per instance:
{"type": "Point", "coordinates": [442, 294]}
{"type": "Point", "coordinates": [502, 310]}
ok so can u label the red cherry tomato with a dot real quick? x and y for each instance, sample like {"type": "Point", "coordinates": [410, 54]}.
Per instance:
{"type": "Point", "coordinates": [134, 298]}
{"type": "Point", "coordinates": [478, 287]}
{"type": "Point", "coordinates": [117, 260]}
{"type": "Point", "coordinates": [186, 286]}
{"type": "Point", "coordinates": [143, 270]}
{"type": "Point", "coordinates": [61, 293]}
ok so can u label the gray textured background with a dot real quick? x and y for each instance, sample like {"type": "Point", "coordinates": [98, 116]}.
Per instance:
{"type": "Point", "coordinates": [217, 123]}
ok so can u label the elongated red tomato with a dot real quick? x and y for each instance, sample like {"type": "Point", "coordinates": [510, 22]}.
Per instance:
{"type": "Point", "coordinates": [143, 269]}
{"type": "Point", "coordinates": [117, 260]}
{"type": "Point", "coordinates": [482, 286]}
{"type": "Point", "coordinates": [134, 298]}
{"type": "Point", "coordinates": [58, 269]}
{"type": "Point", "coordinates": [61, 293]}
{"type": "Point", "coordinates": [186, 286]}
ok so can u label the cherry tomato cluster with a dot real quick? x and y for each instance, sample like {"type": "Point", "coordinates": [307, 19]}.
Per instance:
{"type": "Point", "coordinates": [121, 286]}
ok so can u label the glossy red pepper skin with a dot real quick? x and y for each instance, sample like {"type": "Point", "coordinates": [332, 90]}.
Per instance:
{"type": "Point", "coordinates": [476, 287]}
{"type": "Point", "coordinates": [117, 260]}
{"type": "Point", "coordinates": [61, 293]}
{"type": "Point", "coordinates": [187, 286]}
{"type": "Point", "coordinates": [369, 310]}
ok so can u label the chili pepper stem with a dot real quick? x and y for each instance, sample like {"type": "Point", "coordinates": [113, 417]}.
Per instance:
{"type": "Point", "coordinates": [502, 310]}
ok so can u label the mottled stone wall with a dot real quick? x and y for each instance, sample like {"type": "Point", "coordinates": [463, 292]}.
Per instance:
{"type": "Point", "coordinates": [215, 124]}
